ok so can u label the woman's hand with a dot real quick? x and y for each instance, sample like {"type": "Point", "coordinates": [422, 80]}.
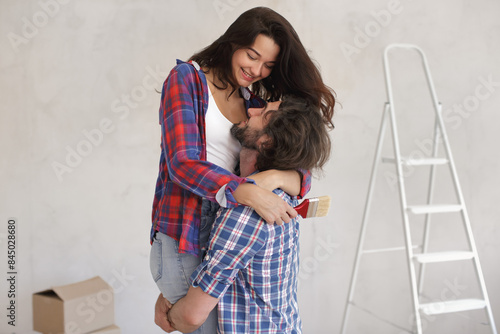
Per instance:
{"type": "Point", "coordinates": [271, 207]}
{"type": "Point", "coordinates": [162, 307]}
{"type": "Point", "coordinates": [289, 181]}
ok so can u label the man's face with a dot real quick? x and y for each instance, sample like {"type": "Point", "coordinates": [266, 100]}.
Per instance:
{"type": "Point", "coordinates": [251, 132]}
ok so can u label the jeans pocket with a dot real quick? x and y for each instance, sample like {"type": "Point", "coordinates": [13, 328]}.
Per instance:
{"type": "Point", "coordinates": [206, 222]}
{"type": "Point", "coordinates": [208, 214]}
{"type": "Point", "coordinates": [155, 261]}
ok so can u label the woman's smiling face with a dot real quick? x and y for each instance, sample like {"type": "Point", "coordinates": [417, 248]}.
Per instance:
{"type": "Point", "coordinates": [255, 62]}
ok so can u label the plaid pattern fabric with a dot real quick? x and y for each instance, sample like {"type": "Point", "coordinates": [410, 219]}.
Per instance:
{"type": "Point", "coordinates": [252, 267]}
{"type": "Point", "coordinates": [185, 177]}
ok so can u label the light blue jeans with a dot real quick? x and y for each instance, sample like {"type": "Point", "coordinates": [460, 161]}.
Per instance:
{"type": "Point", "coordinates": [171, 270]}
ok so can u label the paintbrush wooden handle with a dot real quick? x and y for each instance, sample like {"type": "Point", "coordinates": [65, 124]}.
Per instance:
{"type": "Point", "coordinates": [302, 208]}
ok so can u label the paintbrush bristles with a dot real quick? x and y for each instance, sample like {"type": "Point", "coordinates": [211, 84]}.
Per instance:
{"type": "Point", "coordinates": [323, 206]}
{"type": "Point", "coordinates": [314, 207]}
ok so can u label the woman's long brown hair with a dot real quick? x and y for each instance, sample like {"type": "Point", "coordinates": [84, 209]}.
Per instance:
{"type": "Point", "coordinates": [294, 72]}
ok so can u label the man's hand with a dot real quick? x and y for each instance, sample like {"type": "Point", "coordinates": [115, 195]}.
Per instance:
{"type": "Point", "coordinates": [161, 308]}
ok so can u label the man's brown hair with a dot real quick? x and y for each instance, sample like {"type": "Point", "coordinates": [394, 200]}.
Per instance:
{"type": "Point", "coordinates": [298, 137]}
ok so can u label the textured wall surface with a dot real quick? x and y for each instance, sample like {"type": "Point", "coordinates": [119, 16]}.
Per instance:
{"type": "Point", "coordinates": [79, 143]}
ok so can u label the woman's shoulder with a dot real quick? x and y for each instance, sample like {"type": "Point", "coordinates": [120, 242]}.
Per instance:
{"type": "Point", "coordinates": [189, 72]}
{"type": "Point", "coordinates": [186, 67]}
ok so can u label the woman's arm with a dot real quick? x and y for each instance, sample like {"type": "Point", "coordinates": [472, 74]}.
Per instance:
{"type": "Point", "coordinates": [288, 180]}
{"type": "Point", "coordinates": [293, 182]}
{"type": "Point", "coordinates": [268, 205]}
{"type": "Point", "coordinates": [182, 144]}
{"type": "Point", "coordinates": [271, 207]}
{"type": "Point", "coordinates": [182, 139]}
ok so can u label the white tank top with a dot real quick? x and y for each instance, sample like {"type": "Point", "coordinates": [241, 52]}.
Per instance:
{"type": "Point", "coordinates": [222, 148]}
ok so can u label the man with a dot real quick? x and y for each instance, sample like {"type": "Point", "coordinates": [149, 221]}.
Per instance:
{"type": "Point", "coordinates": [251, 268]}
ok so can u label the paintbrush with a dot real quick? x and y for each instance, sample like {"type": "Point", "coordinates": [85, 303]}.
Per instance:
{"type": "Point", "coordinates": [314, 207]}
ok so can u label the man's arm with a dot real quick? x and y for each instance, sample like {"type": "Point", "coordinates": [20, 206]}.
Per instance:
{"type": "Point", "coordinates": [237, 236]}
{"type": "Point", "coordinates": [191, 311]}
{"type": "Point", "coordinates": [230, 251]}
{"type": "Point", "coordinates": [162, 306]}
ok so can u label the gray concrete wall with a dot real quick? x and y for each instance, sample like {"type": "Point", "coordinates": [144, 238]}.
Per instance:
{"type": "Point", "coordinates": [79, 140]}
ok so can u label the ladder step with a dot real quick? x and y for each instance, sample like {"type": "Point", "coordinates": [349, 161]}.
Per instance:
{"type": "Point", "coordinates": [420, 209]}
{"type": "Point", "coordinates": [443, 256]}
{"type": "Point", "coordinates": [389, 249]}
{"type": "Point", "coordinates": [452, 306]}
{"type": "Point", "coordinates": [418, 162]}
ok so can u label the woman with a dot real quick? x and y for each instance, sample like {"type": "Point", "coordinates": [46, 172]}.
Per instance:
{"type": "Point", "coordinates": [201, 100]}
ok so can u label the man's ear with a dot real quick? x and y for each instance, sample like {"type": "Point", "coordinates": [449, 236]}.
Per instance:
{"type": "Point", "coordinates": [263, 140]}
{"type": "Point", "coordinates": [248, 159]}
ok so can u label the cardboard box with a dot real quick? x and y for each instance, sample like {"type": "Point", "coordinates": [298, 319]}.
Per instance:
{"type": "Point", "coordinates": [76, 308]}
{"type": "Point", "coordinates": [108, 330]}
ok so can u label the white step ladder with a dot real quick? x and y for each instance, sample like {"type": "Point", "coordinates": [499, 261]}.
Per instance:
{"type": "Point", "coordinates": [422, 257]}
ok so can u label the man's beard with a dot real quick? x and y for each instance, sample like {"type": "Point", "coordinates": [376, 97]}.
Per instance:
{"type": "Point", "coordinates": [246, 136]}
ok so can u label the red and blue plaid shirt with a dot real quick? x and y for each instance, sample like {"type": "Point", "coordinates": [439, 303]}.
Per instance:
{"type": "Point", "coordinates": [185, 176]}
{"type": "Point", "coordinates": [252, 267]}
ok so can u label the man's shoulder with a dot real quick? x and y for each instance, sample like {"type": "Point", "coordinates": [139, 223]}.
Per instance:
{"type": "Point", "coordinates": [248, 215]}
{"type": "Point", "coordinates": [240, 213]}
{"type": "Point", "coordinates": [285, 196]}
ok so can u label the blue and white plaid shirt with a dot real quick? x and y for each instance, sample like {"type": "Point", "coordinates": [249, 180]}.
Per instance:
{"type": "Point", "coordinates": [252, 267]}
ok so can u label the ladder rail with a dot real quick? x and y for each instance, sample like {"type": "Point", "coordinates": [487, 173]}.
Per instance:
{"type": "Point", "coordinates": [402, 194]}
{"type": "Point", "coordinates": [430, 192]}
{"type": "Point", "coordinates": [364, 223]}
{"type": "Point", "coordinates": [453, 171]}
{"type": "Point", "coordinates": [430, 308]}
{"type": "Point", "coordinates": [458, 191]}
